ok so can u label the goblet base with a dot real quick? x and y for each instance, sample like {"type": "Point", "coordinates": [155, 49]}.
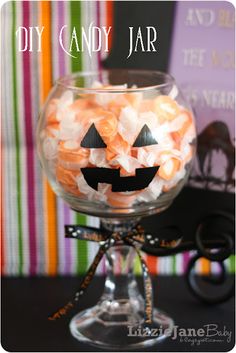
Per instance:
{"type": "Point", "coordinates": [118, 325]}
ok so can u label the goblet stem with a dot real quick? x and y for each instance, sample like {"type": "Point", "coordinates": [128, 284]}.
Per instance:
{"type": "Point", "coordinates": [121, 293]}
{"type": "Point", "coordinates": [119, 224]}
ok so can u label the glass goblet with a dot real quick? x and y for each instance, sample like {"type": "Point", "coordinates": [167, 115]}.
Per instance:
{"type": "Point", "coordinates": [117, 144]}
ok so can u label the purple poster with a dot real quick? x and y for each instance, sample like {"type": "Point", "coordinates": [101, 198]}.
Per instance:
{"type": "Point", "coordinates": [203, 63]}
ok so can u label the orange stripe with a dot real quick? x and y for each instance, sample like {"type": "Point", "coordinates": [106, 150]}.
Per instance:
{"type": "Point", "coordinates": [205, 266]}
{"type": "Point", "coordinates": [109, 20]}
{"type": "Point", "coordinates": [152, 264]}
{"type": "Point", "coordinates": [46, 83]}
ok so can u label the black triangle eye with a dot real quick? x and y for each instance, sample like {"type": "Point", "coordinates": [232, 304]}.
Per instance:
{"type": "Point", "coordinates": [144, 138]}
{"type": "Point", "coordinates": [92, 139]}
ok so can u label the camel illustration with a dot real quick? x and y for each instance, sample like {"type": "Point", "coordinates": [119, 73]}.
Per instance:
{"type": "Point", "coordinates": [214, 138]}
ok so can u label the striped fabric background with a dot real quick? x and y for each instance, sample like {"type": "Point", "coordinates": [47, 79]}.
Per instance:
{"type": "Point", "coordinates": [33, 217]}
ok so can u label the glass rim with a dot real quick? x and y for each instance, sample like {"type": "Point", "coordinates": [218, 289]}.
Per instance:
{"type": "Point", "coordinates": [62, 81]}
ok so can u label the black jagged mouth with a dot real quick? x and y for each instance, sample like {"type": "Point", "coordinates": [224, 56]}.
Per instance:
{"type": "Point", "coordinates": [139, 181]}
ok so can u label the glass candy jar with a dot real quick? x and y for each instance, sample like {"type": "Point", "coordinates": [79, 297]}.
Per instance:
{"type": "Point", "coordinates": [117, 144]}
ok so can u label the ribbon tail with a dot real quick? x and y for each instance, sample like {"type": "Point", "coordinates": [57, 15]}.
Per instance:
{"type": "Point", "coordinates": [147, 283]}
{"type": "Point", "coordinates": [83, 286]}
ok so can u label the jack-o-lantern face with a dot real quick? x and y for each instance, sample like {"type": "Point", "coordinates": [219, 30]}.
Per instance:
{"type": "Point", "coordinates": [96, 175]}
{"type": "Point", "coordinates": [117, 149]}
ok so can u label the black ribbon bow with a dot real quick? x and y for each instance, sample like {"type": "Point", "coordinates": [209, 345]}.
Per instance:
{"type": "Point", "coordinates": [107, 239]}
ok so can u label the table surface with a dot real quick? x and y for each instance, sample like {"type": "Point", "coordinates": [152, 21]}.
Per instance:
{"type": "Point", "coordinates": [26, 303]}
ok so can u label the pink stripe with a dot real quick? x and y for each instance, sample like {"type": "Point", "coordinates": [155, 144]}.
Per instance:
{"type": "Point", "coordinates": [61, 22]}
{"type": "Point", "coordinates": [186, 258]}
{"type": "Point", "coordinates": [62, 72]}
{"type": "Point", "coordinates": [103, 262]}
{"type": "Point", "coordinates": [98, 24]}
{"type": "Point", "coordinates": [30, 146]}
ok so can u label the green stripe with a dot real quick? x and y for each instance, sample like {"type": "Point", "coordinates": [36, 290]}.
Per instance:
{"type": "Point", "coordinates": [17, 138]}
{"type": "Point", "coordinates": [76, 65]}
{"type": "Point", "coordinates": [137, 266]}
{"type": "Point", "coordinates": [75, 12]}
{"type": "Point", "coordinates": [173, 258]}
{"type": "Point", "coordinates": [232, 264]}
{"type": "Point", "coordinates": [82, 248]}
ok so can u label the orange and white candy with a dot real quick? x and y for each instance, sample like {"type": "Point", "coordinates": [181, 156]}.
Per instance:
{"type": "Point", "coordinates": [51, 112]}
{"type": "Point", "coordinates": [67, 179]}
{"type": "Point", "coordinates": [168, 169]}
{"type": "Point", "coordinates": [69, 128]}
{"type": "Point", "coordinates": [97, 158]}
{"type": "Point", "coordinates": [166, 108]}
{"type": "Point", "coordinates": [118, 117]}
{"type": "Point", "coordinates": [50, 148]}
{"type": "Point", "coordinates": [73, 158]}
{"type": "Point", "coordinates": [152, 192]}
{"type": "Point", "coordinates": [89, 192]}
{"type": "Point", "coordinates": [127, 163]}
{"type": "Point", "coordinates": [169, 184]}
{"type": "Point", "coordinates": [53, 130]}
{"type": "Point", "coordinates": [107, 126]}
{"type": "Point", "coordinates": [117, 146]}
{"type": "Point", "coordinates": [120, 200]}
{"type": "Point", "coordinates": [104, 99]}
{"type": "Point", "coordinates": [127, 125]}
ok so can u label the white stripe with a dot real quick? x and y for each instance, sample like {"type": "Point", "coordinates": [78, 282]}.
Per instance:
{"type": "Point", "coordinates": [165, 265]}
{"type": "Point", "coordinates": [74, 253]}
{"type": "Point", "coordinates": [160, 265]}
{"type": "Point", "coordinates": [92, 18]}
{"type": "Point", "coordinates": [92, 246]}
{"type": "Point", "coordinates": [60, 236]}
{"type": "Point", "coordinates": [73, 247]}
{"type": "Point", "coordinates": [179, 262]}
{"type": "Point", "coordinates": [85, 24]}
{"type": "Point", "coordinates": [11, 221]}
{"type": "Point", "coordinates": [163, 259]}
{"type": "Point", "coordinates": [59, 202]}
{"type": "Point", "coordinates": [67, 21]}
{"type": "Point", "coordinates": [67, 59]}
{"type": "Point", "coordinates": [215, 267]}
{"type": "Point", "coordinates": [226, 263]}
{"type": "Point", "coordinates": [103, 13]}
{"type": "Point", "coordinates": [91, 11]}
{"type": "Point", "coordinates": [40, 221]}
